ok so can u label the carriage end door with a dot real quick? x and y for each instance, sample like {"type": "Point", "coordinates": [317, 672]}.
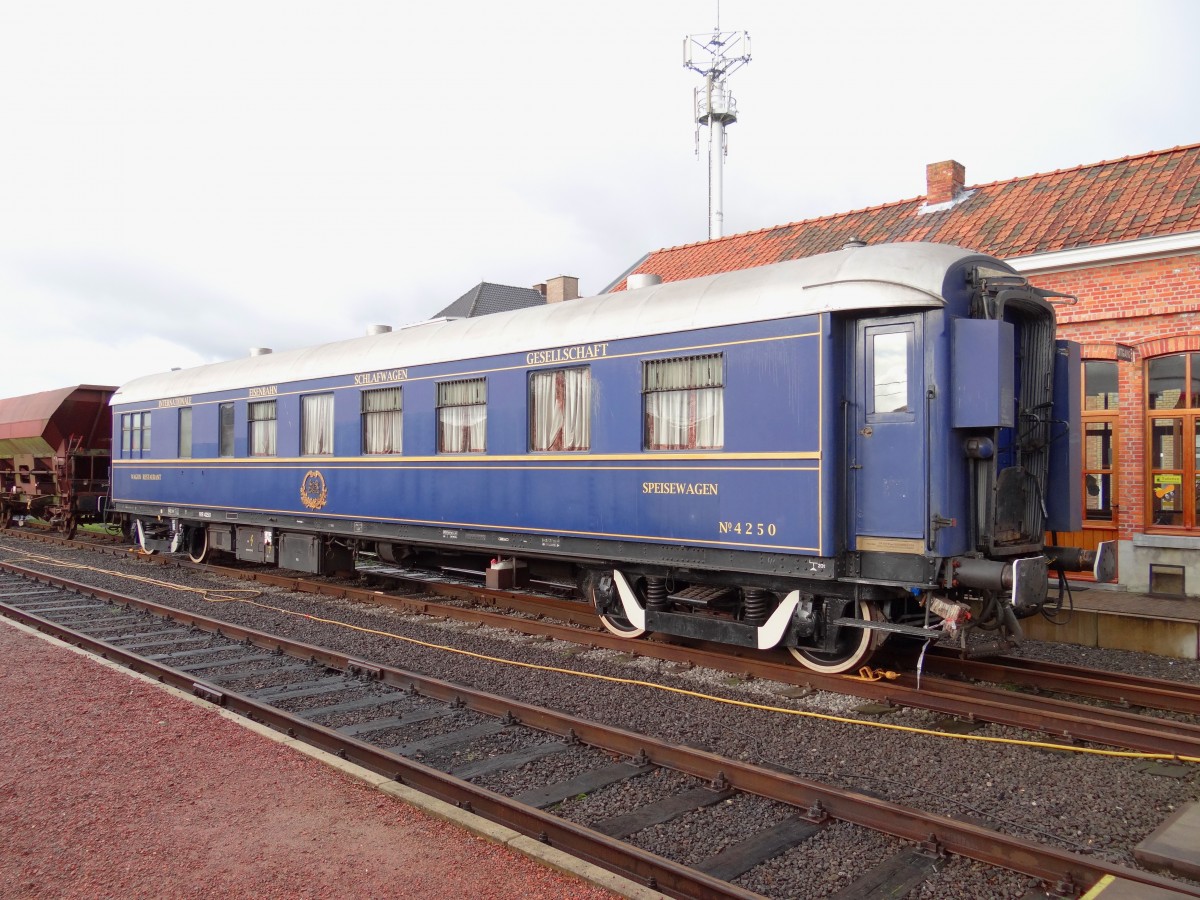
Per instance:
{"type": "Point", "coordinates": [887, 440]}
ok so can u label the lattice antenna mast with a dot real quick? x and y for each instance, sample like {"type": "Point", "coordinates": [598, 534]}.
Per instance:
{"type": "Point", "coordinates": [715, 56]}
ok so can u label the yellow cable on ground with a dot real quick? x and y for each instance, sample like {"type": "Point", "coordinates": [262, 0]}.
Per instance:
{"type": "Point", "coordinates": [215, 597]}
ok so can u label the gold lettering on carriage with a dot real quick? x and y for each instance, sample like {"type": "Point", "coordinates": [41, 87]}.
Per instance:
{"type": "Point", "coordinates": [705, 488]}
{"type": "Point", "coordinates": [383, 377]}
{"type": "Point", "coordinates": [577, 353]}
{"type": "Point", "coordinates": [267, 390]}
{"type": "Point", "coordinates": [175, 401]}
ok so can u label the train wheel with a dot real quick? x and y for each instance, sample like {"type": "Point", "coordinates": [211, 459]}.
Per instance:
{"type": "Point", "coordinates": [198, 544]}
{"type": "Point", "coordinates": [620, 626]}
{"type": "Point", "coordinates": [6, 515]}
{"type": "Point", "coordinates": [855, 646]}
{"type": "Point", "coordinates": [70, 525]}
{"type": "Point", "coordinates": [607, 602]}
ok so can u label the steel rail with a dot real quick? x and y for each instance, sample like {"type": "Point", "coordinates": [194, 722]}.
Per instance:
{"type": "Point", "coordinates": [1133, 690]}
{"type": "Point", "coordinates": [625, 859]}
{"type": "Point", "coordinates": [1063, 720]}
{"type": "Point", "coordinates": [822, 802]}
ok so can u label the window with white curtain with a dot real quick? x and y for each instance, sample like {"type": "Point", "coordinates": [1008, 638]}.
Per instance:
{"type": "Point", "coordinates": [462, 416]}
{"type": "Point", "coordinates": [382, 420]}
{"type": "Point", "coordinates": [316, 425]}
{"type": "Point", "coordinates": [185, 433]}
{"type": "Point", "coordinates": [684, 402]}
{"type": "Point", "coordinates": [560, 409]}
{"type": "Point", "coordinates": [262, 428]}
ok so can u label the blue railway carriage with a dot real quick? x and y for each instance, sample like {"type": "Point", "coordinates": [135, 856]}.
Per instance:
{"type": "Point", "coordinates": [816, 454]}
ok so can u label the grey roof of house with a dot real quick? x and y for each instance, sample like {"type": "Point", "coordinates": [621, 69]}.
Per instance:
{"type": "Point", "coordinates": [487, 298]}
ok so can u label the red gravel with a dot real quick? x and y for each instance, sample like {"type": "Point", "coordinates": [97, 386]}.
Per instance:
{"type": "Point", "coordinates": [110, 787]}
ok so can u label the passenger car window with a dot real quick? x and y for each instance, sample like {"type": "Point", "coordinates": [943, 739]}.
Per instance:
{"type": "Point", "coordinates": [560, 409]}
{"type": "Point", "coordinates": [382, 420]}
{"type": "Point", "coordinates": [262, 428]}
{"type": "Point", "coordinates": [316, 425]}
{"type": "Point", "coordinates": [684, 403]}
{"type": "Point", "coordinates": [462, 416]}
{"type": "Point", "coordinates": [226, 428]}
{"type": "Point", "coordinates": [185, 433]}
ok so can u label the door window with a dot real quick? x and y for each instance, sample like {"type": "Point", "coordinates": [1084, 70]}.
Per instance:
{"type": "Point", "coordinates": [889, 358]}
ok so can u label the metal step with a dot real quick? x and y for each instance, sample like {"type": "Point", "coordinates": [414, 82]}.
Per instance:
{"type": "Point", "coordinates": [705, 596]}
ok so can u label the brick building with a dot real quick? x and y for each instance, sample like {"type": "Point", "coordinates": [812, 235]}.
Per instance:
{"type": "Point", "coordinates": [1123, 236]}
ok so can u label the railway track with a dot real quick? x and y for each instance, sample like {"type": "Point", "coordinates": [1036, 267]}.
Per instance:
{"type": "Point", "coordinates": [1124, 690]}
{"type": "Point", "coordinates": [1009, 691]}
{"type": "Point", "coordinates": [988, 697]}
{"type": "Point", "coordinates": [455, 743]}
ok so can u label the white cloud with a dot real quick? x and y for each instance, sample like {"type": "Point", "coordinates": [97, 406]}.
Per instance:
{"type": "Point", "coordinates": [181, 181]}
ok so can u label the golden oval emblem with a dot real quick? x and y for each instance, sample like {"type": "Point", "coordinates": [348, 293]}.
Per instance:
{"type": "Point", "coordinates": [313, 491]}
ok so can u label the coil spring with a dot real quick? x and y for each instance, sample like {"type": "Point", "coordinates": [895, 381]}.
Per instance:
{"type": "Point", "coordinates": [656, 593]}
{"type": "Point", "coordinates": [757, 606]}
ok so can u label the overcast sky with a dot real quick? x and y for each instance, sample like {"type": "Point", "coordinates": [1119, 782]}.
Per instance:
{"type": "Point", "coordinates": [182, 181]}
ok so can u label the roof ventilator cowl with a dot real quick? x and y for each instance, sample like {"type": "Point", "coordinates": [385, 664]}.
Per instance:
{"type": "Point", "coordinates": [642, 280]}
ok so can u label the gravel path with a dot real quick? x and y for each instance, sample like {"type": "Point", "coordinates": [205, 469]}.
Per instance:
{"type": "Point", "coordinates": [1083, 803]}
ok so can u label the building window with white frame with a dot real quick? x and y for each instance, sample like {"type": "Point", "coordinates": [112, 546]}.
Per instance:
{"type": "Point", "coordinates": [1101, 409]}
{"type": "Point", "coordinates": [560, 409]}
{"type": "Point", "coordinates": [1173, 434]}
{"type": "Point", "coordinates": [684, 403]}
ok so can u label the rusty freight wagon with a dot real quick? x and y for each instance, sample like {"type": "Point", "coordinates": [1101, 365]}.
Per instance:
{"type": "Point", "coordinates": [55, 453]}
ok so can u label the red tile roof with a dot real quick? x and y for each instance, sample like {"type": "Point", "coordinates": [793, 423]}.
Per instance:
{"type": "Point", "coordinates": [1150, 195]}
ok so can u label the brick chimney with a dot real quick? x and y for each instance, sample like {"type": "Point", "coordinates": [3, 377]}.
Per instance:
{"type": "Point", "coordinates": [944, 181]}
{"type": "Point", "coordinates": [562, 287]}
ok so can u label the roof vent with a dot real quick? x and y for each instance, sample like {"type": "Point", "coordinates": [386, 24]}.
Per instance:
{"type": "Point", "coordinates": [378, 329]}
{"type": "Point", "coordinates": [642, 279]}
{"type": "Point", "coordinates": [854, 242]}
{"type": "Point", "coordinates": [259, 351]}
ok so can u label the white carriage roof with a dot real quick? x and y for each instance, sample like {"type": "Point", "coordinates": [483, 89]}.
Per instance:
{"type": "Point", "coordinates": [884, 276]}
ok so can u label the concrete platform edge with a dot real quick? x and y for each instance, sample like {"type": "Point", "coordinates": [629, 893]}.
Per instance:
{"type": "Point", "coordinates": [477, 825]}
{"type": "Point", "coordinates": [1163, 636]}
{"type": "Point", "coordinates": [1172, 847]}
